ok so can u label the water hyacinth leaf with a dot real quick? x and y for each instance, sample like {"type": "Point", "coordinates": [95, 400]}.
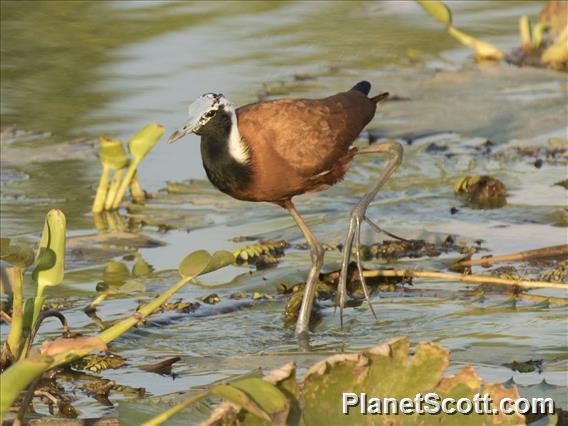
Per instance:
{"type": "Point", "coordinates": [219, 260]}
{"type": "Point", "coordinates": [437, 10]}
{"type": "Point", "coordinates": [51, 260]}
{"type": "Point", "coordinates": [201, 262]}
{"type": "Point", "coordinates": [132, 286]}
{"type": "Point", "coordinates": [112, 153]}
{"type": "Point", "coordinates": [525, 32]}
{"type": "Point", "coordinates": [115, 273]}
{"type": "Point", "coordinates": [242, 399]}
{"type": "Point", "coordinates": [141, 267]}
{"type": "Point", "coordinates": [482, 49]}
{"type": "Point", "coordinates": [142, 141]}
{"type": "Point", "coordinates": [194, 263]}
{"type": "Point", "coordinates": [267, 397]}
{"type": "Point", "coordinates": [139, 145]}
{"type": "Point", "coordinates": [556, 54]}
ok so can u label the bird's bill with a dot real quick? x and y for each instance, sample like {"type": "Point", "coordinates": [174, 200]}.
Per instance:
{"type": "Point", "coordinates": [199, 107]}
{"type": "Point", "coordinates": [178, 134]}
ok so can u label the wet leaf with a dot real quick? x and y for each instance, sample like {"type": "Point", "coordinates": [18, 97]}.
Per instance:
{"type": "Point", "coordinates": [115, 273]}
{"type": "Point", "coordinates": [241, 398]}
{"type": "Point", "coordinates": [141, 267]}
{"type": "Point", "coordinates": [211, 299]}
{"type": "Point", "coordinates": [562, 183]}
{"type": "Point", "coordinates": [112, 153]}
{"type": "Point", "coordinates": [142, 142]}
{"type": "Point", "coordinates": [201, 262]}
{"type": "Point", "coordinates": [526, 366]}
{"type": "Point", "coordinates": [437, 10]}
{"type": "Point", "coordinates": [50, 264]}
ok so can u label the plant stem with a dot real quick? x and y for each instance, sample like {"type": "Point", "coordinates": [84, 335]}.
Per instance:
{"type": "Point", "coordinates": [99, 202]}
{"type": "Point", "coordinates": [478, 279]}
{"type": "Point", "coordinates": [14, 276]}
{"type": "Point", "coordinates": [136, 190]}
{"type": "Point", "coordinates": [125, 183]}
{"type": "Point", "coordinates": [20, 374]}
{"type": "Point", "coordinates": [560, 251]}
{"type": "Point", "coordinates": [109, 202]}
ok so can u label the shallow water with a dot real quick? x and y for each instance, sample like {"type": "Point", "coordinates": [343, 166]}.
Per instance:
{"type": "Point", "coordinates": [80, 69]}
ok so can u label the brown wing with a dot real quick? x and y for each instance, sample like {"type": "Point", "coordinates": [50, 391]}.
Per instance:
{"type": "Point", "coordinates": [307, 135]}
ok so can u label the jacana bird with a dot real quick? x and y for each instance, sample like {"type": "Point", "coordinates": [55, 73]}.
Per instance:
{"type": "Point", "coordinates": [273, 150]}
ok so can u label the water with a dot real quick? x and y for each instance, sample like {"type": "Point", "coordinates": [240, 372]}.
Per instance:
{"type": "Point", "coordinates": [81, 69]}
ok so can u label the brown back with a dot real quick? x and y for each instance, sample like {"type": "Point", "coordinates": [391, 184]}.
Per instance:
{"type": "Point", "coordinates": [301, 145]}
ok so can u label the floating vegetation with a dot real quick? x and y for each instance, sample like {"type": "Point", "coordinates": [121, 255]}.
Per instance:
{"type": "Point", "coordinates": [391, 249]}
{"type": "Point", "coordinates": [180, 306]}
{"type": "Point", "coordinates": [526, 366]}
{"type": "Point", "coordinates": [483, 192]}
{"type": "Point", "coordinates": [558, 274]}
{"type": "Point", "coordinates": [536, 48]}
{"type": "Point", "coordinates": [388, 369]}
{"type": "Point", "coordinates": [262, 254]}
{"type": "Point", "coordinates": [97, 362]}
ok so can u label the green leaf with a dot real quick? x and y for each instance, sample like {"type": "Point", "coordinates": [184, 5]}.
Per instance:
{"type": "Point", "coordinates": [50, 263]}
{"type": "Point", "coordinates": [219, 260]}
{"type": "Point", "coordinates": [17, 255]}
{"type": "Point", "coordinates": [201, 262]}
{"type": "Point", "coordinates": [141, 267]}
{"type": "Point", "coordinates": [267, 397]}
{"type": "Point", "coordinates": [46, 260]}
{"type": "Point", "coordinates": [115, 273]}
{"type": "Point", "coordinates": [437, 10]}
{"type": "Point", "coordinates": [142, 141]}
{"type": "Point", "coordinates": [17, 377]}
{"type": "Point", "coordinates": [241, 398]}
{"type": "Point", "coordinates": [112, 153]}
{"type": "Point", "coordinates": [194, 263]}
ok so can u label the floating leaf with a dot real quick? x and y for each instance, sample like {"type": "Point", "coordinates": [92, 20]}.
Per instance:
{"type": "Point", "coordinates": [437, 10]}
{"type": "Point", "coordinates": [482, 191]}
{"type": "Point", "coordinates": [201, 262]}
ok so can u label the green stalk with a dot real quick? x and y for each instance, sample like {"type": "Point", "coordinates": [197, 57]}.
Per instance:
{"type": "Point", "coordinates": [166, 415]}
{"type": "Point", "coordinates": [20, 375]}
{"type": "Point", "coordinates": [125, 183]}
{"type": "Point", "coordinates": [98, 204]}
{"type": "Point", "coordinates": [136, 190]}
{"type": "Point", "coordinates": [16, 378]}
{"type": "Point", "coordinates": [109, 202]}
{"type": "Point", "coordinates": [14, 275]}
{"type": "Point", "coordinates": [38, 304]}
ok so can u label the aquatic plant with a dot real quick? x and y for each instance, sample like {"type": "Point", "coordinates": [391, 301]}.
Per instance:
{"type": "Point", "coordinates": [113, 158]}
{"type": "Point", "coordinates": [550, 51]}
{"type": "Point", "coordinates": [386, 370]}
{"type": "Point", "coordinates": [25, 321]}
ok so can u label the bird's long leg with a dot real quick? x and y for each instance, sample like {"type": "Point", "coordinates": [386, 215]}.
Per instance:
{"type": "Point", "coordinates": [394, 150]}
{"type": "Point", "coordinates": [317, 253]}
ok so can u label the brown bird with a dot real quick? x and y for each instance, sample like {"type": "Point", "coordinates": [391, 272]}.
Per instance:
{"type": "Point", "coordinates": [273, 150]}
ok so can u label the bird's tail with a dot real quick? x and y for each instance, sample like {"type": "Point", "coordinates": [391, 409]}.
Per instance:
{"type": "Point", "coordinates": [380, 98]}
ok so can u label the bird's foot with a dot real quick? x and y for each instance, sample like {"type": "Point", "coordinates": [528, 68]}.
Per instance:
{"type": "Point", "coordinates": [353, 244]}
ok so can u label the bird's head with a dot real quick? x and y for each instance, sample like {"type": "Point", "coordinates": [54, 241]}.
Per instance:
{"type": "Point", "coordinates": [208, 112]}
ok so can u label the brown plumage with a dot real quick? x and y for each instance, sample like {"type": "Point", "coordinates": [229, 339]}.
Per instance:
{"type": "Point", "coordinates": [274, 150]}
{"type": "Point", "coordinates": [301, 145]}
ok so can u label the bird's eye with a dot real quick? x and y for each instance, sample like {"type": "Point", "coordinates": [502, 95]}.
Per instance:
{"type": "Point", "coordinates": [210, 114]}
